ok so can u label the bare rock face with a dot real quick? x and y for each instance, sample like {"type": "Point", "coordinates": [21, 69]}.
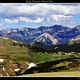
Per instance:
{"type": "Point", "coordinates": [46, 38]}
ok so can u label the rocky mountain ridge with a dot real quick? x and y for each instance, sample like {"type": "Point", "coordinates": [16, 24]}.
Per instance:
{"type": "Point", "coordinates": [62, 33]}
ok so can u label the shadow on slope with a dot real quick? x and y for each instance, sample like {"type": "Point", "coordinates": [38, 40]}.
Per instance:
{"type": "Point", "coordinates": [48, 66]}
{"type": "Point", "coordinates": [37, 46]}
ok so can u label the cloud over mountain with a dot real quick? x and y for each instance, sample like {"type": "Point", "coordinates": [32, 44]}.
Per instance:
{"type": "Point", "coordinates": [23, 19]}
{"type": "Point", "coordinates": [42, 13]}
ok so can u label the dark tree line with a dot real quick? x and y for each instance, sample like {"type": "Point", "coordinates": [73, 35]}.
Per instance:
{"type": "Point", "coordinates": [56, 48]}
{"type": "Point", "coordinates": [48, 66]}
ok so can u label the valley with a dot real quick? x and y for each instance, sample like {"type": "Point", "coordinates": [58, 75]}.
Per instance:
{"type": "Point", "coordinates": [17, 56]}
{"type": "Point", "coordinates": [39, 39]}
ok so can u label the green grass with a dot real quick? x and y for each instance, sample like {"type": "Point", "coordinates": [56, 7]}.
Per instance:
{"type": "Point", "coordinates": [54, 74]}
{"type": "Point", "coordinates": [18, 53]}
{"type": "Point", "coordinates": [23, 54]}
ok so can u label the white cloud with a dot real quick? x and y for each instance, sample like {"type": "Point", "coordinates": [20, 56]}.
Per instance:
{"type": "Point", "coordinates": [45, 8]}
{"type": "Point", "coordinates": [38, 12]}
{"type": "Point", "coordinates": [37, 20]}
{"type": "Point", "coordinates": [23, 19]}
{"type": "Point", "coordinates": [60, 18]}
{"type": "Point", "coordinates": [40, 9]}
{"type": "Point", "coordinates": [10, 21]}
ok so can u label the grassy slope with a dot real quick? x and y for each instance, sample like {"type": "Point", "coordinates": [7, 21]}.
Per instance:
{"type": "Point", "coordinates": [21, 54]}
{"type": "Point", "coordinates": [54, 74]}
{"type": "Point", "coordinates": [13, 52]}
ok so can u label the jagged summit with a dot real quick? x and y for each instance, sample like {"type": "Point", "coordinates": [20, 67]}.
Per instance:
{"type": "Point", "coordinates": [47, 39]}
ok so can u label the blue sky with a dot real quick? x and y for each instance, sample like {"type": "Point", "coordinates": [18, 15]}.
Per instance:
{"type": "Point", "coordinates": [19, 15]}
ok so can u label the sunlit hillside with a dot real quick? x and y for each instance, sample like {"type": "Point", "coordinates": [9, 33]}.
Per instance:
{"type": "Point", "coordinates": [17, 55]}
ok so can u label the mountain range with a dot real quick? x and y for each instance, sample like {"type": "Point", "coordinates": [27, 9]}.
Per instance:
{"type": "Point", "coordinates": [62, 33]}
{"type": "Point", "coordinates": [14, 55]}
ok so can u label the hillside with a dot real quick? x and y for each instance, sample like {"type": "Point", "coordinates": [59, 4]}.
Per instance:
{"type": "Point", "coordinates": [13, 53]}
{"type": "Point", "coordinates": [16, 55]}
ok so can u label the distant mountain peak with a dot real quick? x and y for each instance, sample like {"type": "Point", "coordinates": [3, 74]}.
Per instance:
{"type": "Point", "coordinates": [46, 38]}
{"type": "Point", "coordinates": [77, 27]}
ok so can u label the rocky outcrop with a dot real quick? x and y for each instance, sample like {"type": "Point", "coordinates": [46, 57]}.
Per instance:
{"type": "Point", "coordinates": [47, 39]}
